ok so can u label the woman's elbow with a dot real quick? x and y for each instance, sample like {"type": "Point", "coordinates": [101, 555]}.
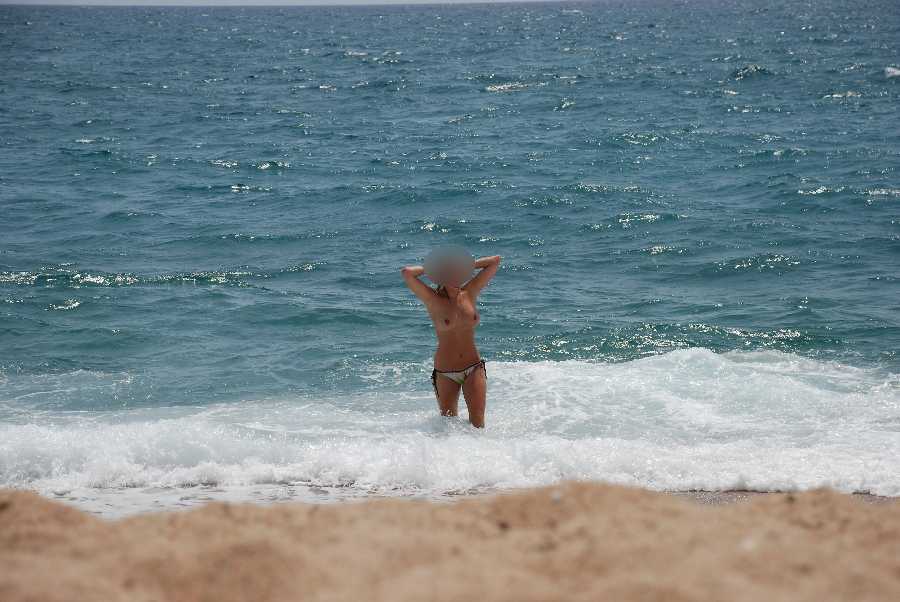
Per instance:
{"type": "Point", "coordinates": [408, 271]}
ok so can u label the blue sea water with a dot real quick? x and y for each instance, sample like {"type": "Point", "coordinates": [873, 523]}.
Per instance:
{"type": "Point", "coordinates": [203, 213]}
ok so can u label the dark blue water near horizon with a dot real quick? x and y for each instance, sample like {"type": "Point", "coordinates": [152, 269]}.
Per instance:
{"type": "Point", "coordinates": [204, 206]}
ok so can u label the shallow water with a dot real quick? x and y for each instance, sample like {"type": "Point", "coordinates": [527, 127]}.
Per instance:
{"type": "Point", "coordinates": [204, 211]}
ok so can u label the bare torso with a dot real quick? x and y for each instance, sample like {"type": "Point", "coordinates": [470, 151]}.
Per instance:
{"type": "Point", "coordinates": [455, 321]}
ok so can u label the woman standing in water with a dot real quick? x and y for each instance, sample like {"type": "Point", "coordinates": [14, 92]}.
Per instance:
{"type": "Point", "coordinates": [451, 306]}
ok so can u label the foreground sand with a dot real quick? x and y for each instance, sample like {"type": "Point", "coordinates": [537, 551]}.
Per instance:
{"type": "Point", "coordinates": [575, 541]}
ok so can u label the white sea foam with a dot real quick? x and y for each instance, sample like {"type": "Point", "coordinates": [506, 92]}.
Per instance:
{"type": "Point", "coordinates": [689, 419]}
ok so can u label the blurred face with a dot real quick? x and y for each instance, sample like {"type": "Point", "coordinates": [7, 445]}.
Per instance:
{"type": "Point", "coordinates": [453, 273]}
{"type": "Point", "coordinates": [449, 265]}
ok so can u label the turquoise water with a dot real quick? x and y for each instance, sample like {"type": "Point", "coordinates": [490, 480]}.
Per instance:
{"type": "Point", "coordinates": [204, 213]}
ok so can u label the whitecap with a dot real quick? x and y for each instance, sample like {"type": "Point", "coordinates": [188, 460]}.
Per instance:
{"type": "Point", "coordinates": [688, 419]}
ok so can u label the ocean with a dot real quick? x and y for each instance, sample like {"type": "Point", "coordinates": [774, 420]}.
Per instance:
{"type": "Point", "coordinates": [204, 212]}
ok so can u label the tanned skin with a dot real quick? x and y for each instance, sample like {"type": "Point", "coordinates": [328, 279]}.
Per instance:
{"type": "Point", "coordinates": [454, 315]}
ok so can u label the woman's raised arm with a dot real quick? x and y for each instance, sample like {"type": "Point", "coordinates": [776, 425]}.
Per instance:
{"type": "Point", "coordinates": [489, 266]}
{"type": "Point", "coordinates": [411, 275]}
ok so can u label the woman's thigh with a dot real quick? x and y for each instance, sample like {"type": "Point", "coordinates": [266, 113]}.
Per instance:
{"type": "Point", "coordinates": [475, 392]}
{"type": "Point", "coordinates": [447, 395]}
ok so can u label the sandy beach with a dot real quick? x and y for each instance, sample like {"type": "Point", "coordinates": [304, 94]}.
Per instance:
{"type": "Point", "coordinates": [573, 541]}
{"type": "Point", "coordinates": [436, 300]}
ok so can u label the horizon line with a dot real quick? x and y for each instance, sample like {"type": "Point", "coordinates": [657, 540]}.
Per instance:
{"type": "Point", "coordinates": [286, 3]}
